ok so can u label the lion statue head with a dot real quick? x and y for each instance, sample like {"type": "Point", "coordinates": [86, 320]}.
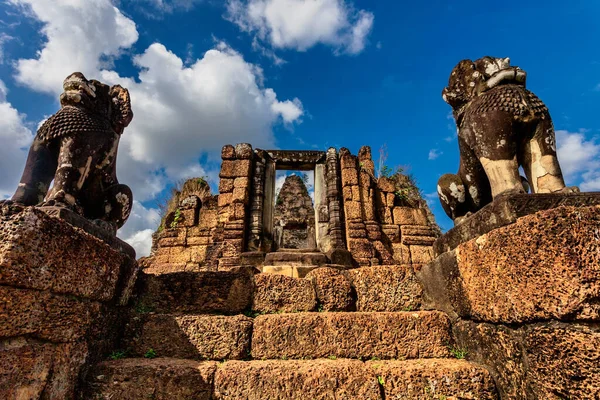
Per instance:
{"type": "Point", "coordinates": [112, 102]}
{"type": "Point", "coordinates": [472, 78]}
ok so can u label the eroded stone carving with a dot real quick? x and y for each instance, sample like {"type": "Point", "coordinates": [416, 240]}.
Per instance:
{"type": "Point", "coordinates": [77, 148]}
{"type": "Point", "coordinates": [501, 126]}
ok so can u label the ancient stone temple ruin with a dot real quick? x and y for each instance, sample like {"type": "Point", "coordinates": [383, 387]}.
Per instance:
{"type": "Point", "coordinates": [356, 220]}
{"type": "Point", "coordinates": [356, 295]}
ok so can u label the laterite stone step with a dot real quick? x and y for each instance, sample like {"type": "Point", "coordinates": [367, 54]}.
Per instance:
{"type": "Point", "coordinates": [434, 379]}
{"type": "Point", "coordinates": [223, 292]}
{"type": "Point", "coordinates": [196, 337]}
{"type": "Point", "coordinates": [294, 379]}
{"type": "Point", "coordinates": [384, 335]}
{"type": "Point", "coordinates": [322, 379]}
{"type": "Point", "coordinates": [157, 379]}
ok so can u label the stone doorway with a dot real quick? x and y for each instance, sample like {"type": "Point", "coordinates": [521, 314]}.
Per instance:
{"type": "Point", "coordinates": [294, 211]}
{"type": "Point", "coordinates": [281, 163]}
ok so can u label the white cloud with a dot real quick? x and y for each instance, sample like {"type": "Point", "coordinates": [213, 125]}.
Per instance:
{"type": "Point", "coordinates": [169, 6]}
{"type": "Point", "coordinates": [82, 35]}
{"type": "Point", "coordinates": [579, 159]}
{"type": "Point", "coordinates": [183, 111]}
{"type": "Point", "coordinates": [15, 138]}
{"type": "Point", "coordinates": [302, 24]}
{"type": "Point", "coordinates": [139, 228]}
{"type": "Point", "coordinates": [434, 153]}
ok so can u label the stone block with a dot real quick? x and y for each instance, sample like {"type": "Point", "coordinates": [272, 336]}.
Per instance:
{"type": "Point", "coordinates": [410, 216]}
{"type": "Point", "coordinates": [544, 266]}
{"type": "Point", "coordinates": [171, 242]}
{"type": "Point", "coordinates": [240, 195]}
{"type": "Point", "coordinates": [45, 253]}
{"type": "Point", "coordinates": [434, 379]}
{"type": "Point", "coordinates": [159, 379]}
{"type": "Point", "coordinates": [386, 288]}
{"type": "Point", "coordinates": [235, 169]}
{"type": "Point", "coordinates": [347, 193]}
{"type": "Point", "coordinates": [198, 241]}
{"type": "Point", "coordinates": [401, 253]}
{"type": "Point", "coordinates": [35, 370]}
{"type": "Point", "coordinates": [547, 360]}
{"type": "Point", "coordinates": [390, 199]}
{"type": "Point", "coordinates": [424, 334]}
{"type": "Point", "coordinates": [333, 289]}
{"type": "Point", "coordinates": [360, 248]}
{"type": "Point", "coordinates": [226, 185]}
{"type": "Point", "coordinates": [225, 199]}
{"type": "Point", "coordinates": [243, 151]}
{"type": "Point", "coordinates": [278, 293]}
{"type": "Point", "coordinates": [199, 292]}
{"type": "Point", "coordinates": [349, 177]}
{"type": "Point", "coordinates": [296, 258]}
{"type": "Point", "coordinates": [198, 337]}
{"type": "Point", "coordinates": [421, 254]}
{"type": "Point", "coordinates": [353, 210]}
{"type": "Point", "coordinates": [299, 271]}
{"type": "Point", "coordinates": [505, 210]}
{"type": "Point", "coordinates": [386, 184]}
{"type": "Point", "coordinates": [43, 315]}
{"type": "Point", "coordinates": [207, 219]}
{"type": "Point", "coordinates": [347, 160]}
{"type": "Point", "coordinates": [311, 379]}
{"type": "Point", "coordinates": [356, 193]}
{"type": "Point", "coordinates": [228, 152]}
{"type": "Point", "coordinates": [243, 182]}
{"type": "Point", "coordinates": [188, 218]}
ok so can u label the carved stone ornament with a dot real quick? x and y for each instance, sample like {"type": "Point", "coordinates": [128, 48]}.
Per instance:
{"type": "Point", "coordinates": [77, 148]}
{"type": "Point", "coordinates": [501, 126]}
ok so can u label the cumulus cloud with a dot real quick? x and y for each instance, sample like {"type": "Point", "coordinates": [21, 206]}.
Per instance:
{"type": "Point", "coordinates": [81, 35]}
{"type": "Point", "coordinates": [434, 154]}
{"type": "Point", "coordinates": [302, 24]}
{"type": "Point", "coordinates": [139, 228]}
{"type": "Point", "coordinates": [184, 112]}
{"type": "Point", "coordinates": [15, 138]}
{"type": "Point", "coordinates": [579, 159]}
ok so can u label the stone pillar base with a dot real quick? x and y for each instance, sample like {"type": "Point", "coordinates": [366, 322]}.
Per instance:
{"type": "Point", "coordinates": [60, 292]}
{"type": "Point", "coordinates": [525, 299]}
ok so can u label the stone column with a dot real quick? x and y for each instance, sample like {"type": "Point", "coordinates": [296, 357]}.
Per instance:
{"type": "Point", "coordinates": [257, 202]}
{"type": "Point", "coordinates": [61, 288]}
{"type": "Point", "coordinates": [234, 199]}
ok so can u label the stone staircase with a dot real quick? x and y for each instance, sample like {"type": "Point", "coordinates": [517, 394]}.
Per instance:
{"type": "Point", "coordinates": [223, 335]}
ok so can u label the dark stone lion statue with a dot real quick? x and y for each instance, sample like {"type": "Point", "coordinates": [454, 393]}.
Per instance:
{"type": "Point", "coordinates": [77, 149]}
{"type": "Point", "coordinates": [501, 127]}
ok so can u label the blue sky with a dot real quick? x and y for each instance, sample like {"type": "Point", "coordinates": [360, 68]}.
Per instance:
{"type": "Point", "coordinates": [291, 74]}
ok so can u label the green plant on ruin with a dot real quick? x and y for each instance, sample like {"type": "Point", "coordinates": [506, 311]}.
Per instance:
{"type": "Point", "coordinates": [332, 357]}
{"type": "Point", "coordinates": [118, 355]}
{"type": "Point", "coordinates": [142, 308]}
{"type": "Point", "coordinates": [176, 219]}
{"type": "Point", "coordinates": [150, 354]}
{"type": "Point", "coordinates": [458, 352]}
{"type": "Point", "coordinates": [380, 380]}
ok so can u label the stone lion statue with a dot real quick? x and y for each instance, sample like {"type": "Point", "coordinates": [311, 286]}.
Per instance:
{"type": "Point", "coordinates": [501, 126]}
{"type": "Point", "coordinates": [77, 148]}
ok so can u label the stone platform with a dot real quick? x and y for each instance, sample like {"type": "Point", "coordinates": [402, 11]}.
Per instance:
{"type": "Point", "coordinates": [524, 297]}
{"type": "Point", "coordinates": [61, 294]}
{"type": "Point", "coordinates": [505, 210]}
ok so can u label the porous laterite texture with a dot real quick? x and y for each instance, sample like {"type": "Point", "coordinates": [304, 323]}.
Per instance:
{"type": "Point", "coordinates": [424, 334]}
{"type": "Point", "coordinates": [200, 337]}
{"type": "Point", "coordinates": [544, 266]}
{"type": "Point", "coordinates": [386, 288]}
{"type": "Point", "coordinates": [333, 289]}
{"type": "Point", "coordinates": [433, 379]}
{"type": "Point", "coordinates": [44, 253]}
{"type": "Point", "coordinates": [159, 379]}
{"type": "Point", "coordinates": [279, 293]}
{"type": "Point", "coordinates": [222, 292]}
{"type": "Point", "coordinates": [291, 380]}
